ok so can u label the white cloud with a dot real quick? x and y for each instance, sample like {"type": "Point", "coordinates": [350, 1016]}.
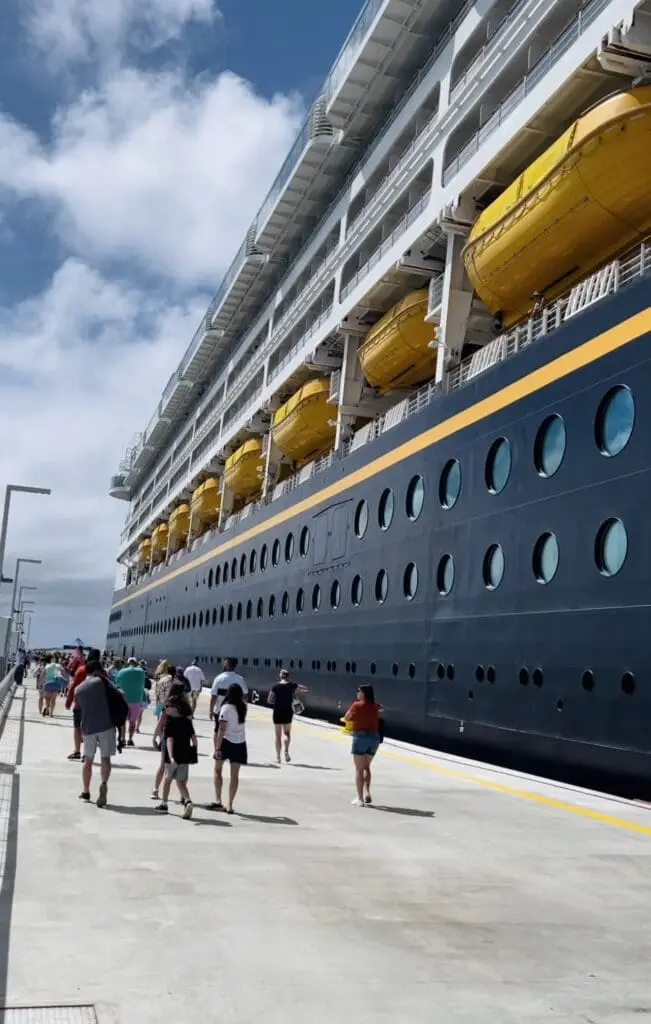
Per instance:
{"type": "Point", "coordinates": [155, 169]}
{"type": "Point", "coordinates": [81, 367]}
{"type": "Point", "coordinates": [66, 31]}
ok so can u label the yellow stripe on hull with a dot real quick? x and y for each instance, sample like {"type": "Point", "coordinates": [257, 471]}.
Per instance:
{"type": "Point", "coordinates": [305, 425]}
{"type": "Point", "coordinates": [396, 352]}
{"type": "Point", "coordinates": [244, 469]}
{"type": "Point", "coordinates": [583, 201]}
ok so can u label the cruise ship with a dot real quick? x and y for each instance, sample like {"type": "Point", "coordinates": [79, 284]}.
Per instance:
{"type": "Point", "coordinates": [408, 443]}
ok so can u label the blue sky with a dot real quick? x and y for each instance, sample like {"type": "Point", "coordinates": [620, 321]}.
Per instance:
{"type": "Point", "coordinates": [137, 140]}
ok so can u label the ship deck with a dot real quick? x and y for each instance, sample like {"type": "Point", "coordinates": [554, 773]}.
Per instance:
{"type": "Point", "coordinates": [466, 894]}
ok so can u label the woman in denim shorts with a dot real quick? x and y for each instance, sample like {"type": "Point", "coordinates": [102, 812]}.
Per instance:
{"type": "Point", "coordinates": [364, 713]}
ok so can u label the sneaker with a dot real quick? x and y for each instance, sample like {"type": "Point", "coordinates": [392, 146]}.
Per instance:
{"type": "Point", "coordinates": [75, 756]}
{"type": "Point", "coordinates": [85, 796]}
{"type": "Point", "coordinates": [357, 802]}
{"type": "Point", "coordinates": [154, 795]}
{"type": "Point", "coordinates": [162, 808]}
{"type": "Point", "coordinates": [367, 799]}
{"type": "Point", "coordinates": [215, 806]}
{"type": "Point", "coordinates": [102, 797]}
{"type": "Point", "coordinates": [188, 809]}
{"type": "Point", "coordinates": [130, 743]}
{"type": "Point", "coordinates": [287, 757]}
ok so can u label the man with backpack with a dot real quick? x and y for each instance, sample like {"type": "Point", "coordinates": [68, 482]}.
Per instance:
{"type": "Point", "coordinates": [104, 712]}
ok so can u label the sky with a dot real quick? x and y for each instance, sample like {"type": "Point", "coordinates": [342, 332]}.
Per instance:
{"type": "Point", "coordinates": [137, 140]}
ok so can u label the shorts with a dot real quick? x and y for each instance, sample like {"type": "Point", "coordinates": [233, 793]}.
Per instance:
{"type": "Point", "coordinates": [52, 687]}
{"type": "Point", "coordinates": [236, 753]}
{"type": "Point", "coordinates": [76, 718]}
{"type": "Point", "coordinates": [135, 711]}
{"type": "Point", "coordinates": [283, 717]}
{"type": "Point", "coordinates": [365, 743]}
{"type": "Point", "coordinates": [178, 772]}
{"type": "Point", "coordinates": [158, 710]}
{"type": "Point", "coordinates": [104, 740]}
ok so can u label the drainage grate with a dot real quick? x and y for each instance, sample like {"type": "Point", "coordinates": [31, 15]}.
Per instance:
{"type": "Point", "coordinates": [49, 1015]}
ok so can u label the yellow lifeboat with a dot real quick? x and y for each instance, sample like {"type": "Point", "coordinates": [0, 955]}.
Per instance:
{"type": "Point", "coordinates": [178, 527]}
{"type": "Point", "coordinates": [396, 350]}
{"type": "Point", "coordinates": [244, 468]}
{"type": "Point", "coordinates": [305, 425]}
{"type": "Point", "coordinates": [206, 502]}
{"type": "Point", "coordinates": [144, 553]}
{"type": "Point", "coordinates": [582, 202]}
{"type": "Point", "coordinates": [159, 543]}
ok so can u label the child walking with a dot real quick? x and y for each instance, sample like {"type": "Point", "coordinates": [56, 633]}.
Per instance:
{"type": "Point", "coordinates": [179, 748]}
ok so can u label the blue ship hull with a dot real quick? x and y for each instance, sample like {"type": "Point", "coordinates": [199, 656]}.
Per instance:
{"type": "Point", "coordinates": [553, 672]}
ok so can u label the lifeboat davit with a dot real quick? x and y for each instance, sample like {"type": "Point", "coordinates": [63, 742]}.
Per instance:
{"type": "Point", "coordinates": [582, 202]}
{"type": "Point", "coordinates": [179, 526]}
{"type": "Point", "coordinates": [144, 553]}
{"type": "Point", "coordinates": [244, 469]}
{"type": "Point", "coordinates": [206, 502]}
{"type": "Point", "coordinates": [159, 537]}
{"type": "Point", "coordinates": [396, 351]}
{"type": "Point", "coordinates": [305, 425]}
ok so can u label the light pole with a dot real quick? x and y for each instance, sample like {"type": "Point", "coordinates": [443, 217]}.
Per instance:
{"type": "Point", "coordinates": [9, 490]}
{"type": "Point", "coordinates": [12, 607]}
{"type": "Point", "coordinates": [21, 605]}
{"type": "Point", "coordinates": [28, 616]}
{"type": "Point", "coordinates": [21, 619]}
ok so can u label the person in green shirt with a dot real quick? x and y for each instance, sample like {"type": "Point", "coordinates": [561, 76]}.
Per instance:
{"type": "Point", "coordinates": [131, 680]}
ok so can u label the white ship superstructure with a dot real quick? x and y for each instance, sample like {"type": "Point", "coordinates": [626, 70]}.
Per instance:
{"type": "Point", "coordinates": [432, 108]}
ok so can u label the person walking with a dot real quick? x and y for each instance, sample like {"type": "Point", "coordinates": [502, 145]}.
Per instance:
{"type": "Point", "coordinates": [364, 714]}
{"type": "Point", "coordinates": [131, 680]}
{"type": "Point", "coordinates": [52, 684]}
{"type": "Point", "coordinates": [71, 702]}
{"type": "Point", "coordinates": [230, 745]}
{"type": "Point", "coordinates": [97, 699]}
{"type": "Point", "coordinates": [147, 701]}
{"type": "Point", "coordinates": [281, 699]}
{"type": "Point", "coordinates": [194, 675]}
{"type": "Point", "coordinates": [221, 683]}
{"type": "Point", "coordinates": [164, 677]}
{"type": "Point", "coordinates": [179, 748]}
{"type": "Point", "coordinates": [40, 683]}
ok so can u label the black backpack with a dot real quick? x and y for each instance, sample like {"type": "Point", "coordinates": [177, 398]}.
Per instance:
{"type": "Point", "coordinates": [118, 707]}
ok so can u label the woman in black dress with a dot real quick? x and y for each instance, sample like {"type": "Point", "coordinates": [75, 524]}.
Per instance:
{"type": "Point", "coordinates": [281, 699]}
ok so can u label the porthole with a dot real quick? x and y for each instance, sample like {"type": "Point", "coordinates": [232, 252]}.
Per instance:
{"type": "Point", "coordinates": [300, 600]}
{"type": "Point", "coordinates": [545, 558]}
{"type": "Point", "coordinates": [253, 561]}
{"type": "Point", "coordinates": [450, 484]}
{"type": "Point", "coordinates": [200, 621]}
{"type": "Point", "coordinates": [361, 518]}
{"type": "Point", "coordinates": [411, 670]}
{"type": "Point", "coordinates": [415, 498]}
{"type": "Point", "coordinates": [225, 572]}
{"type": "Point", "coordinates": [587, 680]}
{"type": "Point", "coordinates": [410, 581]}
{"type": "Point", "coordinates": [206, 620]}
{"type": "Point", "coordinates": [549, 446]}
{"type": "Point", "coordinates": [304, 543]}
{"type": "Point", "coordinates": [493, 568]}
{"type": "Point", "coordinates": [440, 671]}
{"type": "Point", "coordinates": [386, 509]}
{"type": "Point", "coordinates": [272, 606]}
{"type": "Point", "coordinates": [275, 552]}
{"type": "Point", "coordinates": [491, 675]}
{"type": "Point", "coordinates": [194, 620]}
{"type": "Point", "coordinates": [264, 557]}
{"type": "Point", "coordinates": [316, 597]}
{"type": "Point", "coordinates": [480, 675]}
{"type": "Point", "coordinates": [239, 611]}
{"type": "Point", "coordinates": [450, 672]}
{"type": "Point", "coordinates": [234, 569]}
{"type": "Point", "coordinates": [357, 590]}
{"type": "Point", "coordinates": [284, 606]}
{"type": "Point", "coordinates": [628, 684]}
{"type": "Point", "coordinates": [222, 615]}
{"type": "Point", "coordinates": [211, 576]}
{"type": "Point", "coordinates": [372, 668]}
{"type": "Point", "coordinates": [615, 421]}
{"type": "Point", "coordinates": [498, 465]}
{"type": "Point", "coordinates": [214, 617]}
{"type": "Point", "coordinates": [394, 668]}
{"type": "Point", "coordinates": [523, 677]}
{"type": "Point", "coordinates": [381, 586]}
{"type": "Point", "coordinates": [243, 565]}
{"type": "Point", "coordinates": [559, 705]}
{"type": "Point", "coordinates": [249, 609]}
{"type": "Point", "coordinates": [218, 575]}
{"type": "Point", "coordinates": [230, 613]}
{"type": "Point", "coordinates": [611, 547]}
{"type": "Point", "coordinates": [537, 677]}
{"type": "Point", "coordinates": [289, 547]}
{"type": "Point", "coordinates": [445, 575]}
{"type": "Point", "coordinates": [260, 608]}
{"type": "Point", "coordinates": [335, 594]}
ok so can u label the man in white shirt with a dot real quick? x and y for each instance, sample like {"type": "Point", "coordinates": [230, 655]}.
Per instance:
{"type": "Point", "coordinates": [196, 679]}
{"type": "Point", "coordinates": [220, 686]}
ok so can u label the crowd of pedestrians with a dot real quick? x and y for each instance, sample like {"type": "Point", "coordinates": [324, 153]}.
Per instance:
{"type": "Point", "coordinates": [108, 698]}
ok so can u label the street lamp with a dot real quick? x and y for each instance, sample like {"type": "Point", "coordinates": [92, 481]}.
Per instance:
{"type": "Point", "coordinates": [9, 490]}
{"type": "Point", "coordinates": [12, 607]}
{"type": "Point", "coordinates": [20, 593]}
{"type": "Point", "coordinates": [28, 616]}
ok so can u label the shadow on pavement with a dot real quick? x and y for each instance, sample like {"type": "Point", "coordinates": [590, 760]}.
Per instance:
{"type": "Point", "coordinates": [409, 812]}
{"type": "Point", "coordinates": [316, 767]}
{"type": "Point", "coordinates": [212, 821]}
{"type": "Point", "coordinates": [267, 819]}
{"type": "Point", "coordinates": [145, 812]}
{"type": "Point", "coordinates": [260, 764]}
